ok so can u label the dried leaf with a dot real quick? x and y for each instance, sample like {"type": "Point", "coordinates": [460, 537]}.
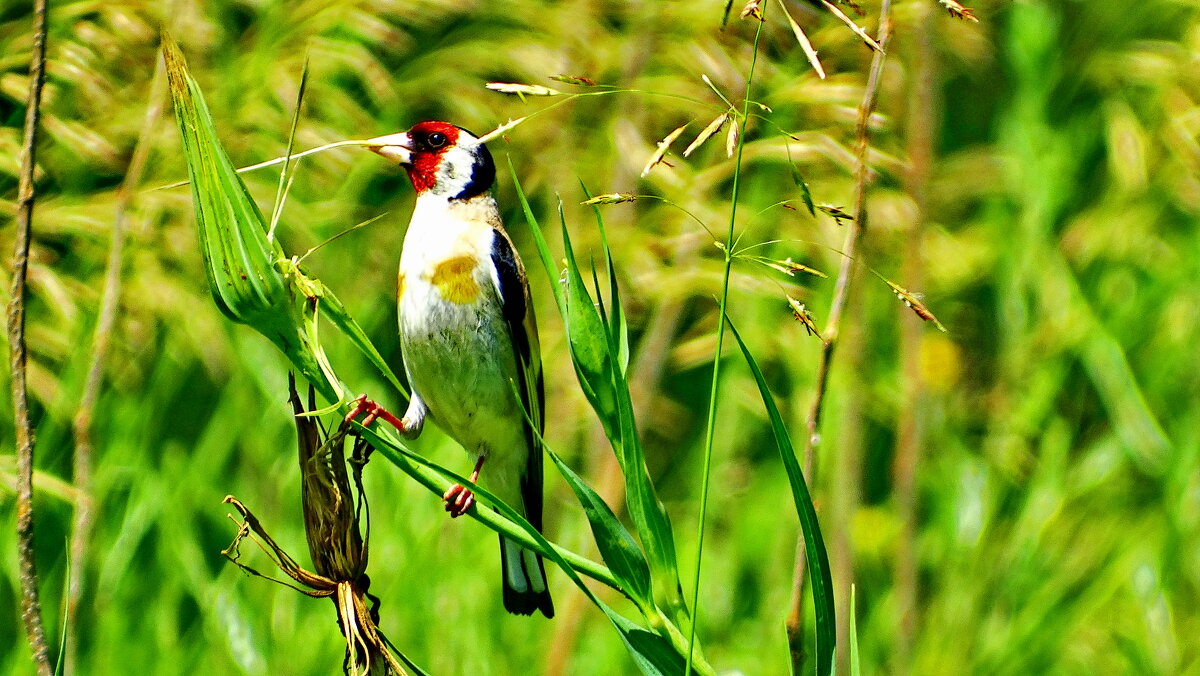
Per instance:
{"type": "Point", "coordinates": [802, 315]}
{"type": "Point", "coordinates": [913, 301]}
{"type": "Point", "coordinates": [522, 89]}
{"type": "Point", "coordinates": [712, 128]}
{"type": "Point", "coordinates": [957, 11]}
{"type": "Point", "coordinates": [661, 152]}
{"type": "Point", "coordinates": [575, 80]}
{"type": "Point", "coordinates": [610, 198]}
{"type": "Point", "coordinates": [803, 40]}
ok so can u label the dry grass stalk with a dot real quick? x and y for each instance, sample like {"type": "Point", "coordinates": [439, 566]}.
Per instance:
{"type": "Point", "coordinates": [863, 176]}
{"type": "Point", "coordinates": [31, 607]}
{"type": "Point", "coordinates": [334, 515]}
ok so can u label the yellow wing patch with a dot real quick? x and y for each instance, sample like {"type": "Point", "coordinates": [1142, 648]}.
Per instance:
{"type": "Point", "coordinates": [400, 285]}
{"type": "Point", "coordinates": [455, 279]}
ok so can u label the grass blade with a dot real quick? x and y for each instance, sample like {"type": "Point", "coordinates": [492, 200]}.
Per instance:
{"type": "Point", "coordinates": [814, 545]}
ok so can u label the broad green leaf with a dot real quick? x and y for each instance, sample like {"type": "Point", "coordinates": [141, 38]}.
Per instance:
{"type": "Point", "coordinates": [814, 546]}
{"type": "Point", "coordinates": [240, 262]}
{"type": "Point", "coordinates": [251, 279]}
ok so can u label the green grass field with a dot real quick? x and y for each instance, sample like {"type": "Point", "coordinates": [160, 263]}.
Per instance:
{"type": "Point", "coordinates": [1018, 494]}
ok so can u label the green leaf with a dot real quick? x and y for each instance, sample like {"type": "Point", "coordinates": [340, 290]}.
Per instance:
{"type": "Point", "coordinates": [603, 381]}
{"type": "Point", "coordinates": [588, 340]}
{"type": "Point", "coordinates": [242, 264]}
{"type": "Point", "coordinates": [617, 328]}
{"type": "Point", "coordinates": [814, 546]}
{"type": "Point", "coordinates": [617, 547]}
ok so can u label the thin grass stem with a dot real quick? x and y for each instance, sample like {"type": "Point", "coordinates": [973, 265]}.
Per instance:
{"type": "Point", "coordinates": [716, 375]}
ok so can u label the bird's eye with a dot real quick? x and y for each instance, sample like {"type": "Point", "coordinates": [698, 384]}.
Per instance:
{"type": "Point", "coordinates": [436, 140]}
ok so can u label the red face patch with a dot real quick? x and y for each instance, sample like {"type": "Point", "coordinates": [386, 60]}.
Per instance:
{"type": "Point", "coordinates": [430, 141]}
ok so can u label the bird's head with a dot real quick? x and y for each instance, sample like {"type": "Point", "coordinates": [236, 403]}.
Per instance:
{"type": "Point", "coordinates": [441, 159]}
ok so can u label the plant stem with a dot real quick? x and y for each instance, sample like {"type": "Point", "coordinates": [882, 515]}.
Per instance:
{"type": "Point", "coordinates": [841, 294]}
{"type": "Point", "coordinates": [716, 373]}
{"type": "Point", "coordinates": [31, 609]}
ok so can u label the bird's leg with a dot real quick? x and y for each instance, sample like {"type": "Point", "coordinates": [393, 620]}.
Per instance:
{"type": "Point", "coordinates": [373, 411]}
{"type": "Point", "coordinates": [458, 497]}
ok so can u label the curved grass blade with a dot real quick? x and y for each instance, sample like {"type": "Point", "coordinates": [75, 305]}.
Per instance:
{"type": "Point", "coordinates": [617, 547]}
{"type": "Point", "coordinates": [814, 545]}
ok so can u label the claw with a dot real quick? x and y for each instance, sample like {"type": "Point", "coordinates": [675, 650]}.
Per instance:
{"type": "Point", "coordinates": [458, 499]}
{"type": "Point", "coordinates": [374, 412]}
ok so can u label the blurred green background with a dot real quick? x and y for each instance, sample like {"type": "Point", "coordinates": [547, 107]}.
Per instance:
{"type": "Point", "coordinates": [1018, 495]}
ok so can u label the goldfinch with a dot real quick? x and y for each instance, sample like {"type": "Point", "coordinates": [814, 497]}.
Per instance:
{"type": "Point", "coordinates": [468, 336]}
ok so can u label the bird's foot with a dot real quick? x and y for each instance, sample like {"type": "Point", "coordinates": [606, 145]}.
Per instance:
{"type": "Point", "coordinates": [373, 411]}
{"type": "Point", "coordinates": [458, 499]}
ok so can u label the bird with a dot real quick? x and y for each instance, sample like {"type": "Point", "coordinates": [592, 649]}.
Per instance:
{"type": "Point", "coordinates": [468, 337]}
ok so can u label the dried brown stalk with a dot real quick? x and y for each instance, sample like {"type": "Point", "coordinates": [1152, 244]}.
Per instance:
{"type": "Point", "coordinates": [334, 516]}
{"type": "Point", "coordinates": [841, 294]}
{"type": "Point", "coordinates": [31, 608]}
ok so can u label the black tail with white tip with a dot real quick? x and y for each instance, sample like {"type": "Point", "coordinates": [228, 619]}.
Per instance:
{"type": "Point", "coordinates": [524, 580]}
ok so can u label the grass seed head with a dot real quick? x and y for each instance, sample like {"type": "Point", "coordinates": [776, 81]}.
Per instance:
{"type": "Point", "coordinates": [708, 132]}
{"type": "Point", "coordinates": [958, 11]}
{"type": "Point", "coordinates": [661, 152]}
{"type": "Point", "coordinates": [753, 8]}
{"type": "Point", "coordinates": [522, 89]}
{"type": "Point", "coordinates": [575, 80]}
{"type": "Point", "coordinates": [802, 315]}
{"type": "Point", "coordinates": [610, 198]}
{"type": "Point", "coordinates": [731, 140]}
{"type": "Point", "coordinates": [914, 302]}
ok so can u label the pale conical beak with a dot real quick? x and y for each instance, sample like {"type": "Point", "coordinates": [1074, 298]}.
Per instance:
{"type": "Point", "coordinates": [395, 147]}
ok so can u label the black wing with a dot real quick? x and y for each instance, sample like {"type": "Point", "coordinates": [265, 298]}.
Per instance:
{"type": "Point", "coordinates": [518, 315]}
